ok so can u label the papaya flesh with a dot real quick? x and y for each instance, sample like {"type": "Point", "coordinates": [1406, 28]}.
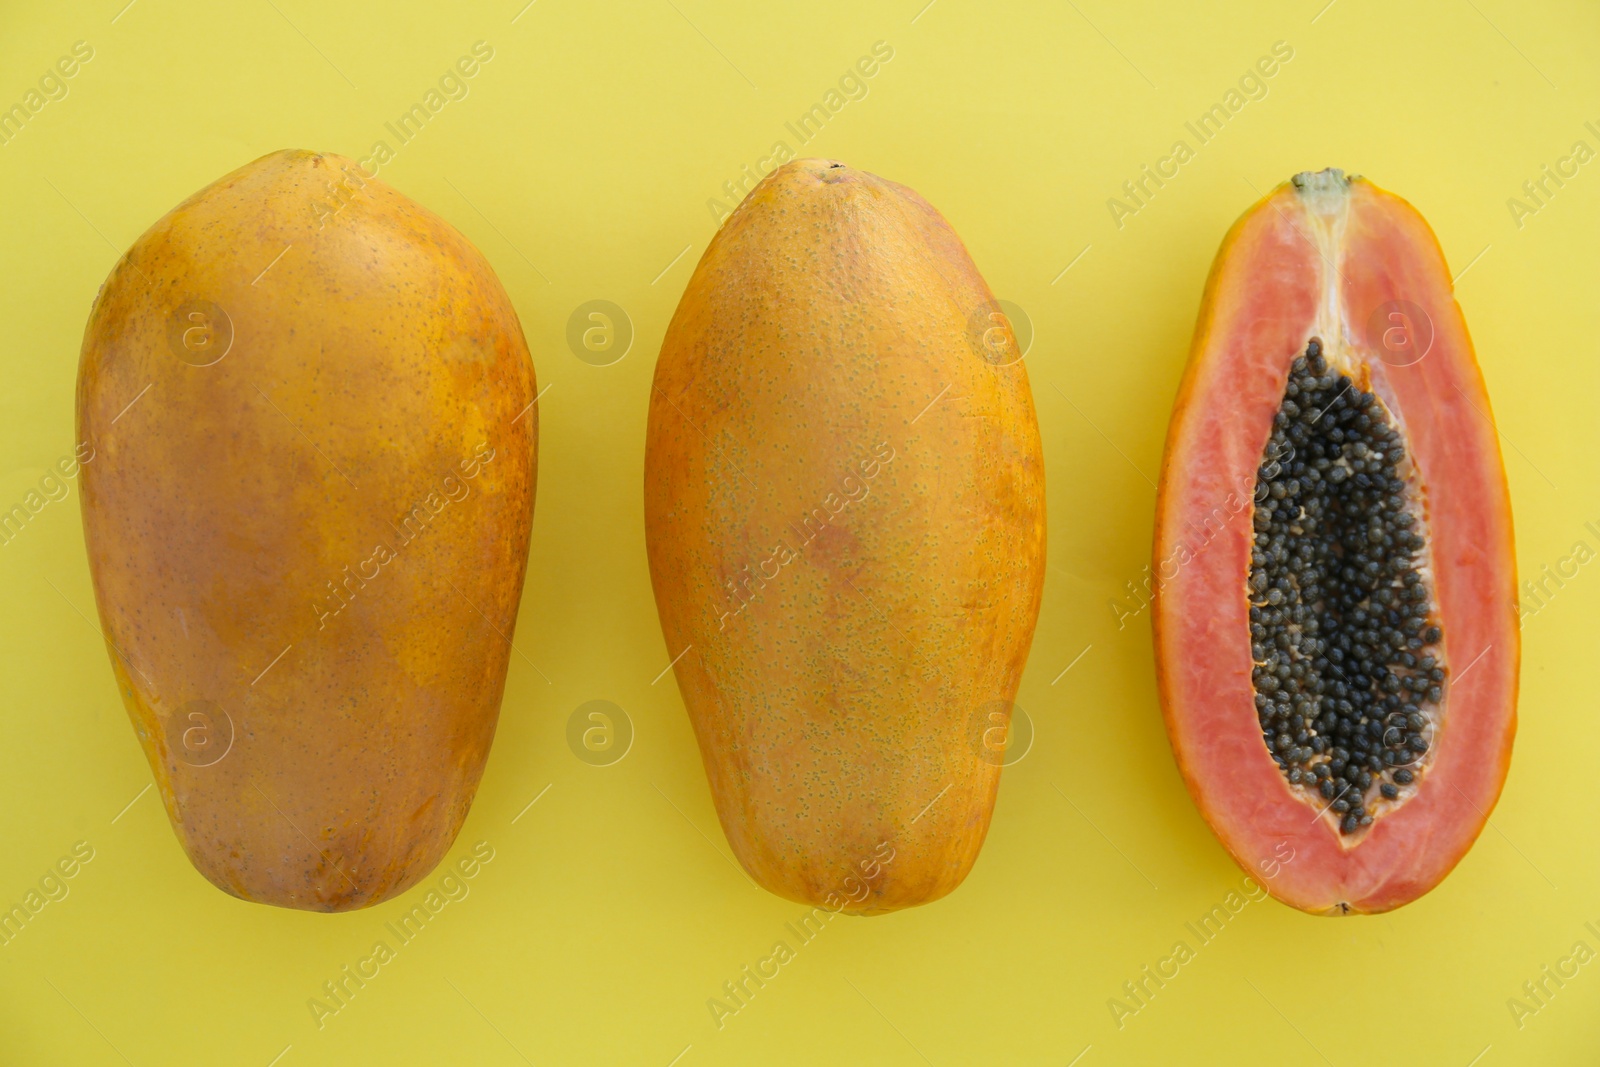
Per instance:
{"type": "Point", "coordinates": [307, 523]}
{"type": "Point", "coordinates": [844, 510]}
{"type": "Point", "coordinates": [1335, 611]}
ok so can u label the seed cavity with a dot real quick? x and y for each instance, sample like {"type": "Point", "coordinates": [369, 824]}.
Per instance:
{"type": "Point", "coordinates": [1343, 632]}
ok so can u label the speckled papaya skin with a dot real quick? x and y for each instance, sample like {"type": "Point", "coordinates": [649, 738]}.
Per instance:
{"type": "Point", "coordinates": [307, 519]}
{"type": "Point", "coordinates": [844, 508]}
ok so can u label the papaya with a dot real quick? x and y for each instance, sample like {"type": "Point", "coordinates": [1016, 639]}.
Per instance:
{"type": "Point", "coordinates": [1336, 629]}
{"type": "Point", "coordinates": [844, 515]}
{"type": "Point", "coordinates": [307, 522]}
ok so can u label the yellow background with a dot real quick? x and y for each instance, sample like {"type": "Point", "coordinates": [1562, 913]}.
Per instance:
{"type": "Point", "coordinates": [581, 163]}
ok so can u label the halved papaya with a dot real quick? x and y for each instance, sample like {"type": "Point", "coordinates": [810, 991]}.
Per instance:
{"type": "Point", "coordinates": [1335, 612]}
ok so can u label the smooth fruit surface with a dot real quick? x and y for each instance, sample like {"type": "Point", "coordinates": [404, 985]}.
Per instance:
{"type": "Point", "coordinates": [1346, 262]}
{"type": "Point", "coordinates": [307, 523]}
{"type": "Point", "coordinates": [844, 506]}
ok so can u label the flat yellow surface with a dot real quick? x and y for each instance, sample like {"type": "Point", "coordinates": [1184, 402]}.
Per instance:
{"type": "Point", "coordinates": [581, 159]}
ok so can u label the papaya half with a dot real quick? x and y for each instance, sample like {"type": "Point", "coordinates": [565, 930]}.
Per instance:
{"type": "Point", "coordinates": [307, 523]}
{"type": "Point", "coordinates": [844, 510]}
{"type": "Point", "coordinates": [1335, 613]}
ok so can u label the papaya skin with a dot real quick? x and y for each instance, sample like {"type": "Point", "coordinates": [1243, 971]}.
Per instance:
{"type": "Point", "coordinates": [844, 509]}
{"type": "Point", "coordinates": [307, 522]}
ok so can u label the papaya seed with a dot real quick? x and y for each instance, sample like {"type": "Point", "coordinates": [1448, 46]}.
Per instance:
{"type": "Point", "coordinates": [1340, 612]}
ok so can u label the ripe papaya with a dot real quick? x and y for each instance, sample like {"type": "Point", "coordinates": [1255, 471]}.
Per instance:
{"type": "Point", "coordinates": [844, 511]}
{"type": "Point", "coordinates": [1335, 615]}
{"type": "Point", "coordinates": [307, 523]}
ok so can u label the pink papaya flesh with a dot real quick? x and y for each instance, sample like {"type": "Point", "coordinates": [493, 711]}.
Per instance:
{"type": "Point", "coordinates": [1335, 610]}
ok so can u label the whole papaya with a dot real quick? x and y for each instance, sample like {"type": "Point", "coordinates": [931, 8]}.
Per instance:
{"type": "Point", "coordinates": [844, 507]}
{"type": "Point", "coordinates": [307, 519]}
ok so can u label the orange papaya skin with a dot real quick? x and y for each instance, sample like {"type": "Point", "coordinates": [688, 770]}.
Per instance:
{"type": "Point", "coordinates": [844, 508]}
{"type": "Point", "coordinates": [307, 520]}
